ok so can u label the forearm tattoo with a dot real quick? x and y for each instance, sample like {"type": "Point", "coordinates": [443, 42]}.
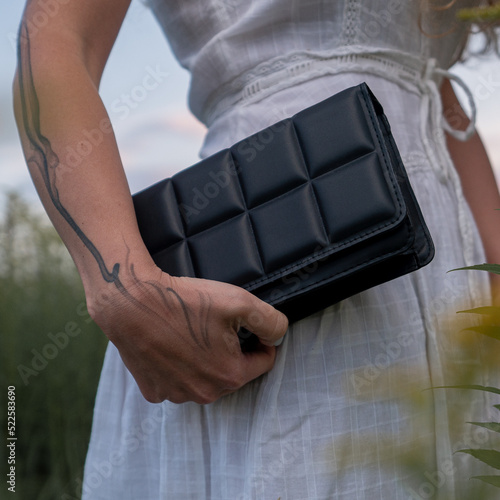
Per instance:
{"type": "Point", "coordinates": [43, 158]}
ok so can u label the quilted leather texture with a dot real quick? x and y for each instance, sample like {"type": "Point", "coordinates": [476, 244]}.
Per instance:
{"type": "Point", "coordinates": [317, 199]}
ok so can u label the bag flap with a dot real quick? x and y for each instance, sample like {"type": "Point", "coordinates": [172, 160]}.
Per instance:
{"type": "Point", "coordinates": [294, 193]}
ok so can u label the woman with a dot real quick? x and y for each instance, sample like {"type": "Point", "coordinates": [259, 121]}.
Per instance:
{"type": "Point", "coordinates": [284, 422]}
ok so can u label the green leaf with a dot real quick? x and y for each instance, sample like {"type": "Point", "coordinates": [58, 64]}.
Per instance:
{"type": "Point", "coordinates": [488, 330]}
{"type": "Point", "coordinates": [489, 457]}
{"type": "Point", "coordinates": [497, 407]}
{"type": "Point", "coordinates": [491, 268]}
{"type": "Point", "coordinates": [492, 426]}
{"type": "Point", "coordinates": [479, 14]}
{"type": "Point", "coordinates": [486, 310]}
{"type": "Point", "coordinates": [493, 480]}
{"type": "Point", "coordinates": [485, 388]}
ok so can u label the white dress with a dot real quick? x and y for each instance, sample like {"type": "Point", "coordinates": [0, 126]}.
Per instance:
{"type": "Point", "coordinates": [328, 422]}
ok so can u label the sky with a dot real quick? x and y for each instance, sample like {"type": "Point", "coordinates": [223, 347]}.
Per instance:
{"type": "Point", "coordinates": [156, 134]}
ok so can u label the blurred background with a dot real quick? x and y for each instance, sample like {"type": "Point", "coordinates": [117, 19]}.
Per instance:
{"type": "Point", "coordinates": [50, 350]}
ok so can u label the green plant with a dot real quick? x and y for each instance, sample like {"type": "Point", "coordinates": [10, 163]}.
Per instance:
{"type": "Point", "coordinates": [50, 351]}
{"type": "Point", "coordinates": [485, 14]}
{"type": "Point", "coordinates": [490, 327]}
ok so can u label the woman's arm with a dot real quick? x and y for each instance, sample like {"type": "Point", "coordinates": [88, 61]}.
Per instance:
{"type": "Point", "coordinates": [478, 180]}
{"type": "Point", "coordinates": [177, 336]}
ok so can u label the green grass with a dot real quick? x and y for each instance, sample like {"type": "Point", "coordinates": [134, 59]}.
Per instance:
{"type": "Point", "coordinates": [50, 351]}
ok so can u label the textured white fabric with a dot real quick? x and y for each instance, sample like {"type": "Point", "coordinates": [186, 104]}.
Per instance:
{"type": "Point", "coordinates": [326, 422]}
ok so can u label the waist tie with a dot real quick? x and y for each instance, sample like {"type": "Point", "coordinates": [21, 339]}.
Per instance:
{"type": "Point", "coordinates": [431, 113]}
{"type": "Point", "coordinates": [433, 124]}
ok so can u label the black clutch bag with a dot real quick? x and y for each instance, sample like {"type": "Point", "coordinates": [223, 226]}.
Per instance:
{"type": "Point", "coordinates": [303, 214]}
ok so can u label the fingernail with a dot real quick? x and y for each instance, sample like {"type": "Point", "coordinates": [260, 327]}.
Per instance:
{"type": "Point", "coordinates": [279, 342]}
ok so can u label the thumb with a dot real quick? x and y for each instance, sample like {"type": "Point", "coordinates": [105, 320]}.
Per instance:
{"type": "Point", "coordinates": [266, 322]}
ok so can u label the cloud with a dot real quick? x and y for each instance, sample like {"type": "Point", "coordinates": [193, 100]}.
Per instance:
{"type": "Point", "coordinates": [156, 144]}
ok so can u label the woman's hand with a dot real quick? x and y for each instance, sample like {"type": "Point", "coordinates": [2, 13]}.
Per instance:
{"type": "Point", "coordinates": [178, 336]}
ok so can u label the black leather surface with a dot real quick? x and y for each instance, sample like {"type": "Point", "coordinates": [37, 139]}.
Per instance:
{"type": "Point", "coordinates": [303, 214]}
